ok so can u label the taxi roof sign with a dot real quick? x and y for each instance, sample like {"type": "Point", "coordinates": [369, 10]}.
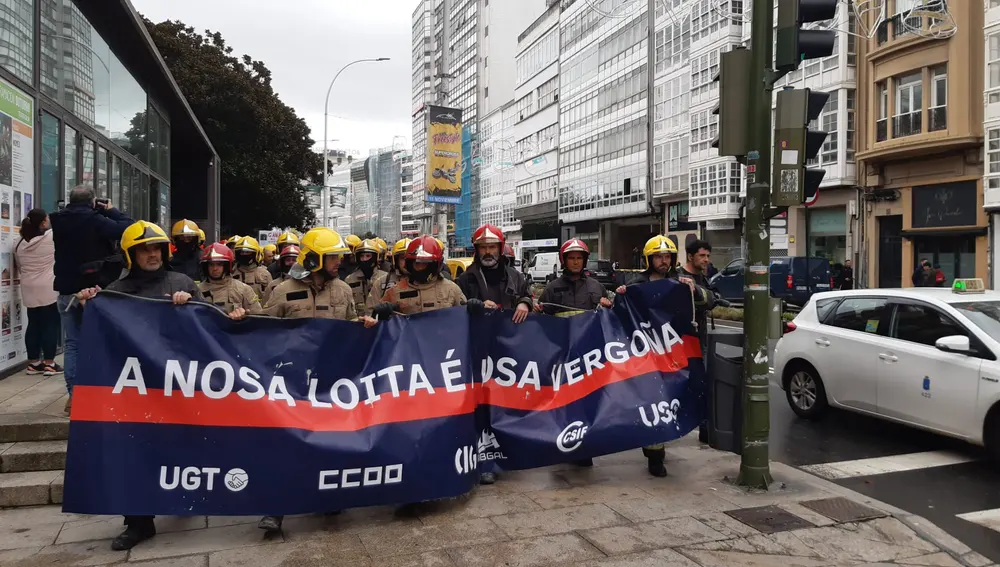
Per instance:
{"type": "Point", "coordinates": [970, 285]}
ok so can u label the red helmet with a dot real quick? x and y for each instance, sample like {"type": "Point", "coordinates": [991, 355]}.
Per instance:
{"type": "Point", "coordinates": [424, 250]}
{"type": "Point", "coordinates": [217, 252]}
{"type": "Point", "coordinates": [488, 234]}
{"type": "Point", "coordinates": [573, 245]}
{"type": "Point", "coordinates": [289, 251]}
{"type": "Point", "coordinates": [508, 251]}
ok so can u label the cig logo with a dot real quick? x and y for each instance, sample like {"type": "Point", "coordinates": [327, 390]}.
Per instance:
{"type": "Point", "coordinates": [466, 459]}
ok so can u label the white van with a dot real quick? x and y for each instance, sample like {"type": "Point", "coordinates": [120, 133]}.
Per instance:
{"type": "Point", "coordinates": [544, 267]}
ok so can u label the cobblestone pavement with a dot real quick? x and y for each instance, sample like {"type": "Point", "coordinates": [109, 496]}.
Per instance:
{"type": "Point", "coordinates": [611, 515]}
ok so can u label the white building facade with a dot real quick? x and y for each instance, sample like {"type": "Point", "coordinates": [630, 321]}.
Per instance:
{"type": "Point", "coordinates": [423, 95]}
{"type": "Point", "coordinates": [991, 129]}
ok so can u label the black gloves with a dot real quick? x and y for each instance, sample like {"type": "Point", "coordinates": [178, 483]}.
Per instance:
{"type": "Point", "coordinates": [476, 307]}
{"type": "Point", "coordinates": [384, 310]}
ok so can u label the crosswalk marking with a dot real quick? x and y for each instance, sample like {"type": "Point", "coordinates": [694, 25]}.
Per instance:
{"type": "Point", "coordinates": [986, 518]}
{"type": "Point", "coordinates": [885, 465]}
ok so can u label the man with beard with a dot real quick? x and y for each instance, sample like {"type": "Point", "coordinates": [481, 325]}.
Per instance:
{"type": "Point", "coordinates": [361, 281]}
{"type": "Point", "coordinates": [248, 268]}
{"type": "Point", "coordinates": [186, 255]}
{"type": "Point", "coordinates": [147, 256]}
{"type": "Point", "coordinates": [218, 286]}
{"type": "Point", "coordinates": [286, 260]}
{"type": "Point", "coordinates": [661, 255]}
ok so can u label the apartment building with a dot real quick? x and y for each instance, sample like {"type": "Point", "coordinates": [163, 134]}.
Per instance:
{"type": "Point", "coordinates": [495, 164]}
{"type": "Point", "coordinates": [423, 75]}
{"type": "Point", "coordinates": [991, 125]}
{"type": "Point", "coordinates": [408, 223]}
{"type": "Point", "coordinates": [535, 135]}
{"type": "Point", "coordinates": [604, 107]}
{"type": "Point", "coordinates": [921, 142]}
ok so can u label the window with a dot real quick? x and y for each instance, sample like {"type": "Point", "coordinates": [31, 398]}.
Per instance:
{"type": "Point", "coordinates": [909, 105]}
{"type": "Point", "coordinates": [102, 173]}
{"type": "Point", "coordinates": [17, 48]}
{"type": "Point", "coordinates": [993, 80]}
{"type": "Point", "coordinates": [829, 123]}
{"type": "Point", "coordinates": [852, 40]}
{"type": "Point", "coordinates": [547, 92]}
{"type": "Point", "coordinates": [937, 118]}
{"type": "Point", "coordinates": [993, 158]}
{"type": "Point", "coordinates": [50, 181]}
{"type": "Point", "coordinates": [69, 161]}
{"type": "Point", "coordinates": [861, 314]}
{"type": "Point", "coordinates": [824, 308]}
{"type": "Point", "coordinates": [882, 108]}
{"type": "Point", "coordinates": [486, 31]}
{"type": "Point", "coordinates": [850, 125]}
{"type": "Point", "coordinates": [922, 324]}
{"type": "Point", "coordinates": [486, 92]}
{"type": "Point", "coordinates": [903, 22]}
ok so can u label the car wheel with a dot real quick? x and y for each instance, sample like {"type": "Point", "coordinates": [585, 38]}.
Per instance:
{"type": "Point", "coordinates": [805, 392]}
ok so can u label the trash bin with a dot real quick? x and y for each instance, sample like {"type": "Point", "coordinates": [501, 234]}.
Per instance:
{"type": "Point", "coordinates": [725, 390]}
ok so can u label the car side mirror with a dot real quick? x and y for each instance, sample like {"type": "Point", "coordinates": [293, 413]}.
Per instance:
{"type": "Point", "coordinates": [956, 344]}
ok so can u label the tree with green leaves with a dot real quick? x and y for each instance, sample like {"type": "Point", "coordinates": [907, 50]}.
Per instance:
{"type": "Point", "coordinates": [265, 148]}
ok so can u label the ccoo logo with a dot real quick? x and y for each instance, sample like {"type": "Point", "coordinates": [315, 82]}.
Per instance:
{"type": "Point", "coordinates": [571, 437]}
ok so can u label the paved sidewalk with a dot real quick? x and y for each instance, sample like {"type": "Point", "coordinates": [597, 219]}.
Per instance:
{"type": "Point", "coordinates": [612, 515]}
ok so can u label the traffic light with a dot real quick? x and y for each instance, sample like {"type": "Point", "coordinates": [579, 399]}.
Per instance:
{"type": "Point", "coordinates": [794, 145]}
{"type": "Point", "coordinates": [733, 107]}
{"type": "Point", "coordinates": [794, 44]}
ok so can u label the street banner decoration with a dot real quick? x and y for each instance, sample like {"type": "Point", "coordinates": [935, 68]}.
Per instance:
{"type": "Point", "coordinates": [178, 410]}
{"type": "Point", "coordinates": [444, 155]}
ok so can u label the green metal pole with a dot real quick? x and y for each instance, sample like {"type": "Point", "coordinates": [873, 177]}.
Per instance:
{"type": "Point", "coordinates": [754, 469]}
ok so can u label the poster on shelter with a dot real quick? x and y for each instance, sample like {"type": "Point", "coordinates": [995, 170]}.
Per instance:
{"type": "Point", "coordinates": [17, 186]}
{"type": "Point", "coordinates": [444, 155]}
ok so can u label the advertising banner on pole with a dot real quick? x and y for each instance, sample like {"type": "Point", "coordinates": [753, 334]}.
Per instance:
{"type": "Point", "coordinates": [179, 410]}
{"type": "Point", "coordinates": [17, 188]}
{"type": "Point", "coordinates": [444, 155]}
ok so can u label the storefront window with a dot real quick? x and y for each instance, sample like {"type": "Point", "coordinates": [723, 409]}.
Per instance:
{"type": "Point", "coordinates": [87, 175]}
{"type": "Point", "coordinates": [79, 71]}
{"type": "Point", "coordinates": [17, 50]}
{"type": "Point", "coordinates": [116, 180]}
{"type": "Point", "coordinates": [164, 149]}
{"type": "Point", "coordinates": [956, 255]}
{"type": "Point", "coordinates": [69, 161]}
{"type": "Point", "coordinates": [49, 179]}
{"type": "Point", "coordinates": [827, 234]}
{"type": "Point", "coordinates": [102, 173]}
{"type": "Point", "coordinates": [126, 188]}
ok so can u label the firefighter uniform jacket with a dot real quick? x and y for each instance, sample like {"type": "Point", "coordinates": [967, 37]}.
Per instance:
{"type": "Point", "coordinates": [229, 294]}
{"type": "Point", "coordinates": [584, 294]}
{"type": "Point", "coordinates": [295, 299]}
{"type": "Point", "coordinates": [381, 283]}
{"type": "Point", "coordinates": [361, 287]}
{"type": "Point", "coordinates": [416, 298]}
{"type": "Point", "coordinates": [271, 287]}
{"type": "Point", "coordinates": [257, 277]}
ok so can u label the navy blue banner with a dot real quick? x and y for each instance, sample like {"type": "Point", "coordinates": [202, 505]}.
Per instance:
{"type": "Point", "coordinates": [178, 410]}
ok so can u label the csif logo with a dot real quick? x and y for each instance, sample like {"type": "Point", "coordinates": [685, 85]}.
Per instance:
{"type": "Point", "coordinates": [489, 449]}
{"type": "Point", "coordinates": [662, 413]}
{"type": "Point", "coordinates": [466, 459]}
{"type": "Point", "coordinates": [571, 437]}
{"type": "Point", "coordinates": [192, 478]}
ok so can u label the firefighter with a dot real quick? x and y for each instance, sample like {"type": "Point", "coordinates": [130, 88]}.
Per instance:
{"type": "Point", "coordinates": [270, 254]}
{"type": "Point", "coordinates": [422, 288]}
{"type": "Point", "coordinates": [286, 239]}
{"type": "Point", "coordinates": [389, 279]}
{"type": "Point", "coordinates": [573, 291]}
{"type": "Point", "coordinates": [660, 254]}
{"type": "Point", "coordinates": [231, 243]}
{"type": "Point", "coordinates": [508, 254]}
{"type": "Point", "coordinates": [285, 262]}
{"type": "Point", "coordinates": [146, 249]}
{"type": "Point", "coordinates": [184, 248]}
{"type": "Point", "coordinates": [218, 286]}
{"type": "Point", "coordinates": [201, 239]}
{"type": "Point", "coordinates": [362, 280]}
{"type": "Point", "coordinates": [384, 260]}
{"type": "Point", "coordinates": [248, 269]}
{"type": "Point", "coordinates": [347, 264]}
{"type": "Point", "coordinates": [313, 290]}
{"type": "Point", "coordinates": [491, 279]}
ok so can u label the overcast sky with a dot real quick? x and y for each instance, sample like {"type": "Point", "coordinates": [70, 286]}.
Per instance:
{"type": "Point", "coordinates": [304, 43]}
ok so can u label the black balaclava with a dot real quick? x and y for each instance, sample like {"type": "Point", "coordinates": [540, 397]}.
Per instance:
{"type": "Point", "coordinates": [421, 276]}
{"type": "Point", "coordinates": [245, 257]}
{"type": "Point", "coordinates": [368, 266]}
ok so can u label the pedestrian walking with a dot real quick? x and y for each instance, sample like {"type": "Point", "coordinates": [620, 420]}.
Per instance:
{"type": "Point", "coordinates": [83, 234]}
{"type": "Point", "coordinates": [34, 256]}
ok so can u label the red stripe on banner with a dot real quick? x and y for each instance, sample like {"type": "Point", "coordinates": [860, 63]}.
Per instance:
{"type": "Point", "coordinates": [100, 404]}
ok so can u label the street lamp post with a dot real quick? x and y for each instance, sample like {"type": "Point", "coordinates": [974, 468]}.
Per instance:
{"type": "Point", "coordinates": [326, 117]}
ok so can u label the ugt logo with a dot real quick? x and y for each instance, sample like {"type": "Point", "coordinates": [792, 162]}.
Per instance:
{"type": "Point", "coordinates": [663, 412]}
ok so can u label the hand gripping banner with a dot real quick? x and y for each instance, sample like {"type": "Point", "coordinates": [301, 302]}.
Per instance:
{"type": "Point", "coordinates": [178, 410]}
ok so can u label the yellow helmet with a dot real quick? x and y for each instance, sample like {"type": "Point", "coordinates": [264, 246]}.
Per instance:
{"type": "Point", "coordinates": [352, 241]}
{"type": "Point", "coordinates": [382, 246]}
{"type": "Point", "coordinates": [440, 243]}
{"type": "Point", "coordinates": [184, 227]}
{"type": "Point", "coordinates": [400, 246]}
{"type": "Point", "coordinates": [317, 244]}
{"type": "Point", "coordinates": [271, 247]}
{"type": "Point", "coordinates": [231, 242]}
{"type": "Point", "coordinates": [287, 238]}
{"type": "Point", "coordinates": [143, 232]}
{"type": "Point", "coordinates": [659, 244]}
{"type": "Point", "coordinates": [249, 243]}
{"type": "Point", "coordinates": [201, 236]}
{"type": "Point", "coordinates": [369, 246]}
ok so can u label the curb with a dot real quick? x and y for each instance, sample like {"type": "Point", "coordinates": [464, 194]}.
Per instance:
{"type": "Point", "coordinates": [921, 526]}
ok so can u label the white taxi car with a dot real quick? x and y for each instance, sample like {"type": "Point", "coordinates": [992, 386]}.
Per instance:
{"type": "Point", "coordinates": [925, 357]}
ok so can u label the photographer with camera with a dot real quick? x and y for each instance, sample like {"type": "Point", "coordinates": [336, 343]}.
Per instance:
{"type": "Point", "coordinates": [85, 235]}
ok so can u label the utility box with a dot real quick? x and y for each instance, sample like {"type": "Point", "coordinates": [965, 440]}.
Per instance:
{"type": "Point", "coordinates": [725, 390]}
